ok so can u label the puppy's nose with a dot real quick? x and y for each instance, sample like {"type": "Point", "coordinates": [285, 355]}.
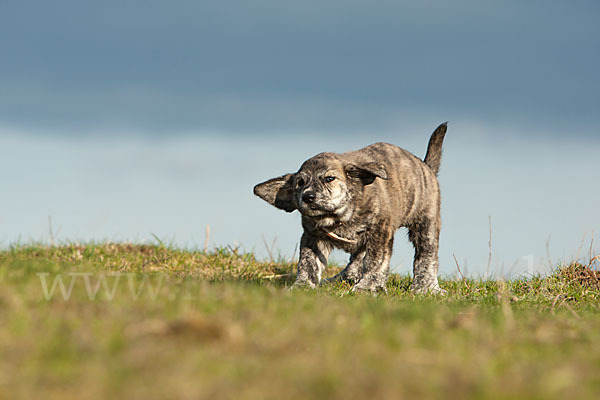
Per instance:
{"type": "Point", "coordinates": [308, 197]}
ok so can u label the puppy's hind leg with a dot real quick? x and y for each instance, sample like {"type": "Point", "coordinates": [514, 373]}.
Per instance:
{"type": "Point", "coordinates": [353, 270]}
{"type": "Point", "coordinates": [425, 238]}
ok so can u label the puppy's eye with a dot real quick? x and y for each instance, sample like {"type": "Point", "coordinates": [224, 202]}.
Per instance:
{"type": "Point", "coordinates": [329, 179]}
{"type": "Point", "coordinates": [300, 182]}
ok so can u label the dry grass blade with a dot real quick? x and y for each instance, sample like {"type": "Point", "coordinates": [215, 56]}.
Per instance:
{"type": "Point", "coordinates": [276, 276]}
{"type": "Point", "coordinates": [487, 274]}
{"type": "Point", "coordinates": [269, 248]}
{"type": "Point", "coordinates": [460, 273]}
{"type": "Point", "coordinates": [206, 238]}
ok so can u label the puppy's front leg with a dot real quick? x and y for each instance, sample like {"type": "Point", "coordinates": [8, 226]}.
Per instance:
{"type": "Point", "coordinates": [314, 254]}
{"type": "Point", "coordinates": [376, 263]}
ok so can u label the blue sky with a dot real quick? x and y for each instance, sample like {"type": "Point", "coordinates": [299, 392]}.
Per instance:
{"type": "Point", "coordinates": [124, 118]}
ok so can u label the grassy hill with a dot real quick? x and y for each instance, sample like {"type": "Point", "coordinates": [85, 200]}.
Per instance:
{"type": "Point", "coordinates": [151, 322]}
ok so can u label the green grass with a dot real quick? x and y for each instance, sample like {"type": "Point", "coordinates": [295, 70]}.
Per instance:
{"type": "Point", "coordinates": [194, 325]}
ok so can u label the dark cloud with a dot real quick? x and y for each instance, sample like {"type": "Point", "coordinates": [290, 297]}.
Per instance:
{"type": "Point", "coordinates": [266, 65]}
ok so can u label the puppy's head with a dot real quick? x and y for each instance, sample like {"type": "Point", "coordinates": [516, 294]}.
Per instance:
{"type": "Point", "coordinates": [323, 189]}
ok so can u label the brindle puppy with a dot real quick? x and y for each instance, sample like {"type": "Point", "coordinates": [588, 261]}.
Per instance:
{"type": "Point", "coordinates": [356, 201]}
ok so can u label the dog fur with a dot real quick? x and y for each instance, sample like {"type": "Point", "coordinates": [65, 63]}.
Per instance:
{"type": "Point", "coordinates": [356, 201]}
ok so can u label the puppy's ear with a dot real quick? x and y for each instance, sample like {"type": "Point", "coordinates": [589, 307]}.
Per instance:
{"type": "Point", "coordinates": [366, 172]}
{"type": "Point", "coordinates": [278, 192]}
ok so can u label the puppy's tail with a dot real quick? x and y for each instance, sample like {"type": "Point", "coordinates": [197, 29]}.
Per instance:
{"type": "Point", "coordinates": [433, 158]}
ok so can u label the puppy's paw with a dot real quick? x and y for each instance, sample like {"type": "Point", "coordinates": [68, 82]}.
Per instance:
{"type": "Point", "coordinates": [302, 284]}
{"type": "Point", "coordinates": [433, 289]}
{"type": "Point", "coordinates": [369, 286]}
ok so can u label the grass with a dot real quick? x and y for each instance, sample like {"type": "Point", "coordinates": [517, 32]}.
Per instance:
{"type": "Point", "coordinates": [151, 322]}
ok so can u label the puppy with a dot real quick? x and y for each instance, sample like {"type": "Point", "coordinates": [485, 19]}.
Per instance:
{"type": "Point", "coordinates": [356, 201]}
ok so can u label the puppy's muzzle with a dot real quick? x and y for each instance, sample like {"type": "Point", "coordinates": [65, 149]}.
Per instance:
{"type": "Point", "coordinates": [308, 197]}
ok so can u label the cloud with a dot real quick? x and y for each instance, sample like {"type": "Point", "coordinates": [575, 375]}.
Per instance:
{"type": "Point", "coordinates": [267, 65]}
